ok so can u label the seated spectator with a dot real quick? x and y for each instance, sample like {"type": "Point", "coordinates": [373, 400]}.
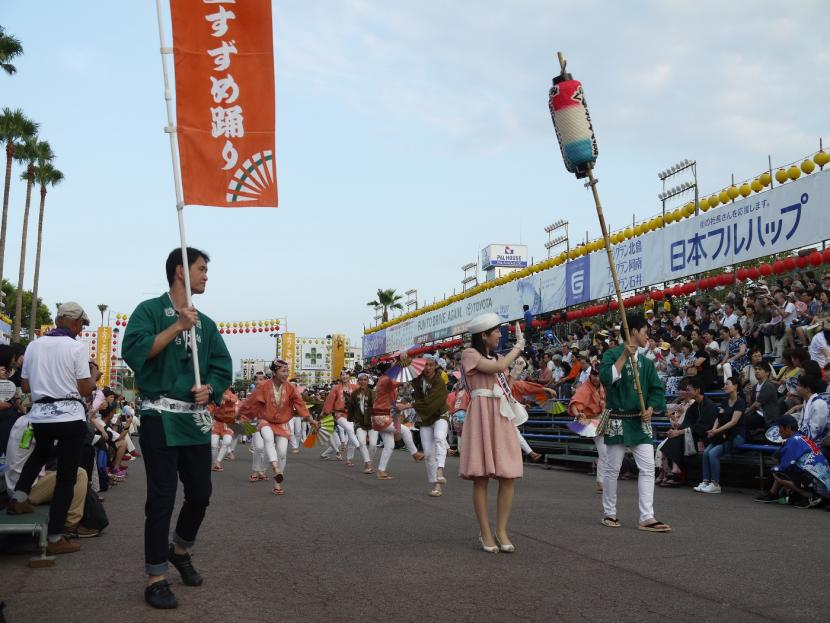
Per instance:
{"type": "Point", "coordinates": [819, 349]}
{"type": "Point", "coordinates": [699, 418]}
{"type": "Point", "coordinates": [763, 409]}
{"type": "Point", "coordinates": [726, 433]}
{"type": "Point", "coordinates": [814, 424]}
{"type": "Point", "coordinates": [44, 486]}
{"type": "Point", "coordinates": [736, 350]}
{"type": "Point", "coordinates": [802, 470]}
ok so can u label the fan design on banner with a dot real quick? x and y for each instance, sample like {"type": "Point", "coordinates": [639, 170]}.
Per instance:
{"type": "Point", "coordinates": [253, 178]}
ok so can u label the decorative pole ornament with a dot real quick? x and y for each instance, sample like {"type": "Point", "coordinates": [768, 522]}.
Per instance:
{"type": "Point", "coordinates": [575, 134]}
{"type": "Point", "coordinates": [572, 123]}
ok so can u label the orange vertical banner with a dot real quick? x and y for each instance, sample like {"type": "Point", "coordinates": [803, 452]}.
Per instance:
{"type": "Point", "coordinates": [104, 355]}
{"type": "Point", "coordinates": [225, 113]}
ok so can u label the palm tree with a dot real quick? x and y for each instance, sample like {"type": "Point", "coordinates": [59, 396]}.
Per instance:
{"type": "Point", "coordinates": [10, 47]}
{"type": "Point", "coordinates": [45, 175]}
{"type": "Point", "coordinates": [102, 308]}
{"type": "Point", "coordinates": [32, 152]}
{"type": "Point", "coordinates": [387, 299]}
{"type": "Point", "coordinates": [14, 125]}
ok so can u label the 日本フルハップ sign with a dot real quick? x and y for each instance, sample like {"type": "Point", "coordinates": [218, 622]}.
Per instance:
{"type": "Point", "coordinates": [225, 116]}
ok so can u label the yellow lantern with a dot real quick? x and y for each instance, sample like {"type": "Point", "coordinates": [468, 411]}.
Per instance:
{"type": "Point", "coordinates": [640, 229]}
{"type": "Point", "coordinates": [781, 176]}
{"type": "Point", "coordinates": [765, 179]}
{"type": "Point", "coordinates": [793, 172]}
{"type": "Point", "coordinates": [821, 158]}
{"type": "Point", "coordinates": [756, 185]}
{"type": "Point", "coordinates": [732, 192]}
{"type": "Point", "coordinates": [723, 197]}
{"type": "Point", "coordinates": [660, 221]}
{"type": "Point", "coordinates": [745, 189]}
{"type": "Point", "coordinates": [235, 324]}
{"type": "Point", "coordinates": [689, 208]}
{"type": "Point", "coordinates": [628, 233]}
{"type": "Point", "coordinates": [704, 204]}
{"type": "Point", "coordinates": [677, 215]}
{"type": "Point", "coordinates": [808, 166]}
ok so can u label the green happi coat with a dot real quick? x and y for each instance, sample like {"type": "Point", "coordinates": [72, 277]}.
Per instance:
{"type": "Point", "coordinates": [621, 397]}
{"type": "Point", "coordinates": [170, 373]}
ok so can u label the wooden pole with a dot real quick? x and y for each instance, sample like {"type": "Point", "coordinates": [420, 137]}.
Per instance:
{"type": "Point", "coordinates": [592, 182]}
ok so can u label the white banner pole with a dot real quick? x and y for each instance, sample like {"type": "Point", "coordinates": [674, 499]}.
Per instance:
{"type": "Point", "coordinates": [170, 129]}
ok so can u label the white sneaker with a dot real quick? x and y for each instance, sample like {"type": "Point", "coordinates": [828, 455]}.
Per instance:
{"type": "Point", "coordinates": [702, 486]}
{"type": "Point", "coordinates": [712, 487]}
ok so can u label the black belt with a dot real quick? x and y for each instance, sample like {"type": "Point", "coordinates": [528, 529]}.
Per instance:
{"type": "Point", "coordinates": [49, 400]}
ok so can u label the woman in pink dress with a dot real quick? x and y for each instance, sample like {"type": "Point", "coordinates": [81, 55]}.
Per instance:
{"type": "Point", "coordinates": [491, 446]}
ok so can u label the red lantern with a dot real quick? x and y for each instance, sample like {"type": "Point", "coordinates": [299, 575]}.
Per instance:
{"type": "Point", "coordinates": [815, 258]}
{"type": "Point", "coordinates": [752, 273]}
{"type": "Point", "coordinates": [826, 255]}
{"type": "Point", "coordinates": [778, 267]}
{"type": "Point", "coordinates": [790, 263]}
{"type": "Point", "coordinates": [234, 330]}
{"type": "Point", "coordinates": [742, 274]}
{"type": "Point", "coordinates": [614, 305]}
{"type": "Point", "coordinates": [766, 270]}
{"type": "Point", "coordinates": [727, 279]}
{"type": "Point", "coordinates": [802, 261]}
{"type": "Point", "coordinates": [656, 295]}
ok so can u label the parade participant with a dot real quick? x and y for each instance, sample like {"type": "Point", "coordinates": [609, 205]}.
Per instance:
{"type": "Point", "coordinates": [273, 404]}
{"type": "Point", "coordinates": [337, 404]}
{"type": "Point", "coordinates": [587, 404]}
{"type": "Point", "coordinates": [527, 392]}
{"type": "Point", "coordinates": [56, 373]}
{"type": "Point", "coordinates": [221, 436]}
{"type": "Point", "coordinates": [385, 422]}
{"type": "Point", "coordinates": [458, 403]}
{"type": "Point", "coordinates": [491, 447]}
{"type": "Point", "coordinates": [175, 424]}
{"type": "Point", "coordinates": [626, 425]}
{"type": "Point", "coordinates": [431, 406]}
{"type": "Point", "coordinates": [360, 416]}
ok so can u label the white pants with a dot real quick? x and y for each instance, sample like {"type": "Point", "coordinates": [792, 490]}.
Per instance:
{"type": "Point", "coordinates": [434, 442]}
{"type": "Point", "coordinates": [234, 441]}
{"type": "Point", "coordinates": [276, 447]}
{"type": "Point", "coordinates": [644, 456]}
{"type": "Point", "coordinates": [348, 430]}
{"type": "Point", "coordinates": [258, 461]}
{"type": "Point", "coordinates": [130, 444]}
{"type": "Point", "coordinates": [388, 437]}
{"type": "Point", "coordinates": [602, 457]}
{"type": "Point", "coordinates": [296, 432]}
{"type": "Point", "coordinates": [523, 443]}
{"type": "Point", "coordinates": [219, 447]}
{"type": "Point", "coordinates": [362, 438]}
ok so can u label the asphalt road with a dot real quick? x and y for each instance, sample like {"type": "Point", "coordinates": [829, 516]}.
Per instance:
{"type": "Point", "coordinates": [342, 546]}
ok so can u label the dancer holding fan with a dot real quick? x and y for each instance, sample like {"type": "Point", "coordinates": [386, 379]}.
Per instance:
{"type": "Point", "coordinates": [273, 404]}
{"type": "Point", "coordinates": [222, 435]}
{"type": "Point", "coordinates": [360, 416]}
{"type": "Point", "coordinates": [383, 418]}
{"type": "Point", "coordinates": [337, 404]}
{"type": "Point", "coordinates": [491, 446]}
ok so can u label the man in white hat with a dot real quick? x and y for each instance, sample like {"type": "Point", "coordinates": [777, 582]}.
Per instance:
{"type": "Point", "coordinates": [56, 373]}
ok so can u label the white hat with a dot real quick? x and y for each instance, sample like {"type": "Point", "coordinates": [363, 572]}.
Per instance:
{"type": "Point", "coordinates": [483, 322]}
{"type": "Point", "coordinates": [73, 311]}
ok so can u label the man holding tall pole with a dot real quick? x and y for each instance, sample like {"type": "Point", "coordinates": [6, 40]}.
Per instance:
{"type": "Point", "coordinates": [163, 338]}
{"type": "Point", "coordinates": [628, 425]}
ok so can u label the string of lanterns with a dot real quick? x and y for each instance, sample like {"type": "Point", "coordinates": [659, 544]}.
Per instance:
{"type": "Point", "coordinates": [728, 195]}
{"type": "Point", "coordinates": [271, 325]}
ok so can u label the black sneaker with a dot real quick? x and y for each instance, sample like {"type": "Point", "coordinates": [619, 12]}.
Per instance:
{"type": "Point", "coordinates": [767, 498]}
{"type": "Point", "coordinates": [807, 502]}
{"type": "Point", "coordinates": [159, 595]}
{"type": "Point", "coordinates": [184, 565]}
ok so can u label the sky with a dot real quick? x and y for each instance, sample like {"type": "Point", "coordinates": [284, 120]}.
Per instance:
{"type": "Point", "coordinates": [409, 136]}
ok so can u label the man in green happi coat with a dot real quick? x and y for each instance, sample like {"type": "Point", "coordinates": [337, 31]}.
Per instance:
{"type": "Point", "coordinates": [627, 425]}
{"type": "Point", "coordinates": [175, 423]}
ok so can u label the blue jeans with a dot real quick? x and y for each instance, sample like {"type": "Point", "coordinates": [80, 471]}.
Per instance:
{"type": "Point", "coordinates": [712, 455]}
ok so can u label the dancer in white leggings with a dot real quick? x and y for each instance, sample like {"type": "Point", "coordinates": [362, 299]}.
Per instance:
{"type": "Point", "coordinates": [297, 436]}
{"type": "Point", "coordinates": [586, 405]}
{"type": "Point", "coordinates": [222, 434]}
{"type": "Point", "coordinates": [258, 459]}
{"type": "Point", "coordinates": [337, 404]}
{"type": "Point", "coordinates": [360, 416]}
{"type": "Point", "coordinates": [273, 404]}
{"type": "Point", "coordinates": [431, 406]}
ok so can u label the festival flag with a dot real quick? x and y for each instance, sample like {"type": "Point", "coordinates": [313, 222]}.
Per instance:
{"type": "Point", "coordinates": [225, 114]}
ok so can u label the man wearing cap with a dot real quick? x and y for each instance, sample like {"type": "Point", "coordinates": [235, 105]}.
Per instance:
{"type": "Point", "coordinates": [57, 375]}
{"type": "Point", "coordinates": [628, 425]}
{"type": "Point", "coordinates": [175, 423]}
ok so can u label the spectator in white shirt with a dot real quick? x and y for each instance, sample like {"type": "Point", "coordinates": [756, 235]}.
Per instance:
{"type": "Point", "coordinates": [56, 373]}
{"type": "Point", "coordinates": [819, 349]}
{"type": "Point", "coordinates": [729, 317]}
